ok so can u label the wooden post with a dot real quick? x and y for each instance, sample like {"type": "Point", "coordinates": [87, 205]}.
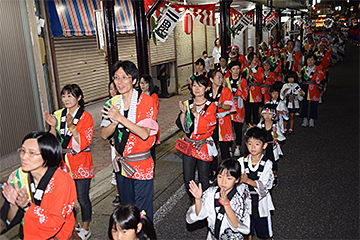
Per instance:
{"type": "Point", "coordinates": [225, 25]}
{"type": "Point", "coordinates": [141, 36]}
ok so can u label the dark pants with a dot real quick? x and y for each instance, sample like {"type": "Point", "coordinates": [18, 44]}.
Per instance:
{"type": "Point", "coordinates": [82, 191]}
{"type": "Point", "coordinates": [224, 148]}
{"type": "Point", "coordinates": [238, 132]}
{"type": "Point", "coordinates": [189, 167]}
{"type": "Point", "coordinates": [313, 109]}
{"type": "Point", "coordinates": [225, 154]}
{"type": "Point", "coordinates": [252, 109]}
{"type": "Point", "coordinates": [137, 192]}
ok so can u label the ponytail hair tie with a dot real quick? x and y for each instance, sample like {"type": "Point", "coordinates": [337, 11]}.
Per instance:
{"type": "Point", "coordinates": [142, 214]}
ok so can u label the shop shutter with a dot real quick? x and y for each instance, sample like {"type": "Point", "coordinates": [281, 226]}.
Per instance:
{"type": "Point", "coordinates": [127, 47]}
{"type": "Point", "coordinates": [162, 52]}
{"type": "Point", "coordinates": [79, 61]}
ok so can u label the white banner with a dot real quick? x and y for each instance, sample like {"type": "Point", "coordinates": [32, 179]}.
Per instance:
{"type": "Point", "coordinates": [271, 24]}
{"type": "Point", "coordinates": [167, 24]}
{"type": "Point", "coordinates": [241, 25]}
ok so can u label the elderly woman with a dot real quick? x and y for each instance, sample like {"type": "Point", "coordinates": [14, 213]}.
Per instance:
{"type": "Point", "coordinates": [39, 194]}
{"type": "Point", "coordinates": [74, 127]}
{"type": "Point", "coordinates": [131, 116]}
{"type": "Point", "coordinates": [197, 119]}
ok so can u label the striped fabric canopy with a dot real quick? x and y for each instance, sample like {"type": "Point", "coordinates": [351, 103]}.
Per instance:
{"type": "Point", "coordinates": [76, 17]}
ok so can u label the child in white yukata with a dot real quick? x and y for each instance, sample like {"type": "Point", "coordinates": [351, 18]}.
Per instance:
{"type": "Point", "coordinates": [273, 135]}
{"type": "Point", "coordinates": [292, 94]}
{"type": "Point", "coordinates": [225, 206]}
{"type": "Point", "coordinates": [258, 175]}
{"type": "Point", "coordinates": [281, 108]}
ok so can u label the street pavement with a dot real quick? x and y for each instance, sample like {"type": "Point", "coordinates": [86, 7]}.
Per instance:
{"type": "Point", "coordinates": [318, 192]}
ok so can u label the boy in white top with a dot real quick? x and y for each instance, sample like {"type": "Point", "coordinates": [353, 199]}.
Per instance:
{"type": "Point", "coordinates": [258, 175]}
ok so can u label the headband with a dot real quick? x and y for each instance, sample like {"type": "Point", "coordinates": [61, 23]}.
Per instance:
{"type": "Point", "coordinates": [268, 110]}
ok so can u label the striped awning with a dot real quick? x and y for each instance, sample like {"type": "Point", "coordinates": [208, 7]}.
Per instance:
{"type": "Point", "coordinates": [76, 17]}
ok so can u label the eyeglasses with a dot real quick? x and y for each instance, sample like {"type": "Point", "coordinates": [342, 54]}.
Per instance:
{"type": "Point", "coordinates": [120, 78]}
{"type": "Point", "coordinates": [29, 153]}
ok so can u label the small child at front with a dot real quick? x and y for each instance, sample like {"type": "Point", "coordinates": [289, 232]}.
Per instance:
{"type": "Point", "coordinates": [273, 134]}
{"type": "Point", "coordinates": [127, 222]}
{"type": "Point", "coordinates": [291, 93]}
{"type": "Point", "coordinates": [258, 175]}
{"type": "Point", "coordinates": [225, 206]}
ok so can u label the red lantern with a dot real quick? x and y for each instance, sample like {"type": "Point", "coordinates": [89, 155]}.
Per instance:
{"type": "Point", "coordinates": [188, 23]}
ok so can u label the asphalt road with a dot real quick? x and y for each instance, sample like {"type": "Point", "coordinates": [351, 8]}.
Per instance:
{"type": "Point", "coordinates": [318, 192]}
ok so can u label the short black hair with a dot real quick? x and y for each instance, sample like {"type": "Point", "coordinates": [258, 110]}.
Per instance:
{"type": "Point", "coordinates": [200, 61]}
{"type": "Point", "coordinates": [291, 74]}
{"type": "Point", "coordinates": [128, 67]}
{"type": "Point", "coordinates": [204, 52]}
{"type": "Point", "coordinates": [49, 147]}
{"type": "Point", "coordinates": [290, 40]}
{"type": "Point", "coordinates": [256, 133]}
{"type": "Point", "coordinates": [224, 57]}
{"type": "Point", "coordinates": [232, 167]}
{"type": "Point", "coordinates": [274, 88]}
{"type": "Point", "coordinates": [150, 81]}
{"type": "Point", "coordinates": [233, 64]}
{"type": "Point", "coordinates": [76, 91]}
{"type": "Point", "coordinates": [251, 48]}
{"type": "Point", "coordinates": [310, 55]}
{"type": "Point", "coordinates": [202, 80]}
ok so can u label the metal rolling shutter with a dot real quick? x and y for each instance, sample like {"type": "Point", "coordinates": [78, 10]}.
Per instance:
{"type": "Point", "coordinates": [127, 47]}
{"type": "Point", "coordinates": [162, 52]}
{"type": "Point", "coordinates": [79, 61]}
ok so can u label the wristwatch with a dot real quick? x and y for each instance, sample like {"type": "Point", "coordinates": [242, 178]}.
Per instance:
{"type": "Point", "coordinates": [27, 206]}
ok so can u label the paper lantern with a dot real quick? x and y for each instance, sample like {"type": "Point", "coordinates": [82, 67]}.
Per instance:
{"type": "Point", "coordinates": [188, 23]}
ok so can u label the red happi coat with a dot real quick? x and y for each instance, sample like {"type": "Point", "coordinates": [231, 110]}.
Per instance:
{"type": "Point", "coordinates": [81, 165]}
{"type": "Point", "coordinates": [146, 112]}
{"type": "Point", "coordinates": [243, 61]}
{"type": "Point", "coordinates": [237, 87]}
{"type": "Point", "coordinates": [277, 67]}
{"type": "Point", "coordinates": [325, 61]}
{"type": "Point", "coordinates": [313, 94]}
{"type": "Point", "coordinates": [269, 80]}
{"type": "Point", "coordinates": [54, 217]}
{"type": "Point", "coordinates": [225, 125]}
{"type": "Point", "coordinates": [203, 128]}
{"type": "Point", "coordinates": [297, 58]}
{"type": "Point", "coordinates": [254, 91]}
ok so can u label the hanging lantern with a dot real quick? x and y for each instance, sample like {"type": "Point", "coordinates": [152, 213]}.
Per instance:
{"type": "Point", "coordinates": [188, 22]}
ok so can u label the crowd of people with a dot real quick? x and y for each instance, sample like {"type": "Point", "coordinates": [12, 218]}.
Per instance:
{"type": "Point", "coordinates": [252, 99]}
{"type": "Point", "coordinates": [255, 97]}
